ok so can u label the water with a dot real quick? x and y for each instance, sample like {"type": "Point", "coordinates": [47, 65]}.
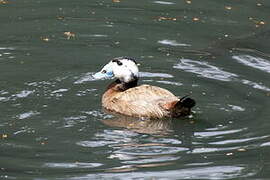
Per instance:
{"type": "Point", "coordinates": [52, 125]}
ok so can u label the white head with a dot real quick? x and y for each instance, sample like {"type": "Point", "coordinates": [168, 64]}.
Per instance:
{"type": "Point", "coordinates": [123, 68]}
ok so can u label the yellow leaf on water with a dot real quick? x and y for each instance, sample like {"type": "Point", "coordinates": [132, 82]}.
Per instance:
{"type": "Point", "coordinates": [3, 2]}
{"type": "Point", "coordinates": [241, 150]}
{"type": "Point", "coordinates": [228, 7]}
{"type": "Point", "coordinates": [195, 19]}
{"type": "Point", "coordinates": [69, 35]}
{"type": "Point", "coordinates": [46, 39]}
{"type": "Point", "coordinates": [4, 136]}
{"type": "Point", "coordinates": [166, 18]}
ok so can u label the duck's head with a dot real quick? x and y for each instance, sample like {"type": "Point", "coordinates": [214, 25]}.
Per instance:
{"type": "Point", "coordinates": [123, 68]}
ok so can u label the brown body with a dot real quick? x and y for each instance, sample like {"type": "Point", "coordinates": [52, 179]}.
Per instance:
{"type": "Point", "coordinates": [143, 101]}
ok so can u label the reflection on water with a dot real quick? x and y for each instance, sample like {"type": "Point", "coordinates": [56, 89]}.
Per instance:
{"type": "Point", "coordinates": [147, 126]}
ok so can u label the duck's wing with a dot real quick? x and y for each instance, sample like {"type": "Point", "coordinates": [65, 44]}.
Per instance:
{"type": "Point", "coordinates": [145, 92]}
{"type": "Point", "coordinates": [142, 101]}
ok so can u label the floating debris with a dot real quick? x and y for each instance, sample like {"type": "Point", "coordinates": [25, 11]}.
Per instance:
{"type": "Point", "coordinates": [161, 18]}
{"type": "Point", "coordinates": [43, 143]}
{"type": "Point", "coordinates": [229, 154]}
{"type": "Point", "coordinates": [4, 136]}
{"type": "Point", "coordinates": [164, 2]}
{"type": "Point", "coordinates": [188, 2]}
{"type": "Point", "coordinates": [60, 17]}
{"type": "Point", "coordinates": [69, 35]}
{"type": "Point", "coordinates": [46, 39]}
{"type": "Point", "coordinates": [241, 150]}
{"type": "Point", "coordinates": [228, 7]}
{"type": "Point", "coordinates": [116, 1]}
{"type": "Point", "coordinates": [257, 23]}
{"type": "Point", "coordinates": [195, 19]}
{"type": "Point", "coordinates": [3, 2]}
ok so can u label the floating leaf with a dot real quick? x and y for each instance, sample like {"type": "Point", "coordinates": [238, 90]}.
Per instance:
{"type": "Point", "coordinates": [161, 18]}
{"type": "Point", "coordinates": [3, 2]}
{"type": "Point", "coordinates": [69, 35]}
{"type": "Point", "coordinates": [4, 136]}
{"type": "Point", "coordinates": [228, 7]}
{"type": "Point", "coordinates": [46, 39]}
{"type": "Point", "coordinates": [195, 19]}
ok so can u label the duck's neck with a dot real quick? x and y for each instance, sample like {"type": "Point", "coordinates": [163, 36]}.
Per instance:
{"type": "Point", "coordinates": [118, 85]}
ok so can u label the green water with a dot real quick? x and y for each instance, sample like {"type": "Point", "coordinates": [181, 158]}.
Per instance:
{"type": "Point", "coordinates": [52, 125]}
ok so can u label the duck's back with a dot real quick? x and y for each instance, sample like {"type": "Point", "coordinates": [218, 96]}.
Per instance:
{"type": "Point", "coordinates": [141, 101]}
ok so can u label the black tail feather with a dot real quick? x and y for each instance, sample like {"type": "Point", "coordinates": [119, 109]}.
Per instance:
{"type": "Point", "coordinates": [187, 102]}
{"type": "Point", "coordinates": [183, 107]}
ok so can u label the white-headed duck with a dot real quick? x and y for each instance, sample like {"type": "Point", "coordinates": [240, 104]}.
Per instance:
{"type": "Point", "coordinates": [124, 96]}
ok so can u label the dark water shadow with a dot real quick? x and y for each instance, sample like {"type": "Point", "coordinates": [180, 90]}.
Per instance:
{"type": "Point", "coordinates": [247, 43]}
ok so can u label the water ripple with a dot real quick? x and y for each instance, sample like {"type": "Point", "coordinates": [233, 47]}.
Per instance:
{"type": "Point", "coordinates": [234, 141]}
{"type": "Point", "coordinates": [73, 120]}
{"type": "Point", "coordinates": [203, 69]}
{"type": "Point", "coordinates": [152, 160]}
{"type": "Point", "coordinates": [85, 78]}
{"type": "Point", "coordinates": [13, 97]}
{"type": "Point", "coordinates": [211, 150]}
{"type": "Point", "coordinates": [172, 43]}
{"type": "Point", "coordinates": [151, 150]}
{"type": "Point", "coordinates": [23, 94]}
{"type": "Point", "coordinates": [72, 165]}
{"type": "Point", "coordinates": [164, 2]}
{"type": "Point", "coordinates": [212, 172]}
{"type": "Point", "coordinates": [27, 114]}
{"type": "Point", "coordinates": [108, 137]}
{"type": "Point", "coordinates": [255, 85]}
{"type": "Point", "coordinates": [170, 83]}
{"type": "Point", "coordinates": [99, 143]}
{"type": "Point", "coordinates": [161, 75]}
{"type": "Point", "coordinates": [254, 62]}
{"type": "Point", "coordinates": [6, 52]}
{"type": "Point", "coordinates": [218, 133]}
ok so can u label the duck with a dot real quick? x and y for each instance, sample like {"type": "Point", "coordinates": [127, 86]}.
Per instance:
{"type": "Point", "coordinates": [124, 96]}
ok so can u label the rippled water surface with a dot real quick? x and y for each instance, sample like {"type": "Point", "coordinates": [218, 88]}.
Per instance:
{"type": "Point", "coordinates": [52, 125]}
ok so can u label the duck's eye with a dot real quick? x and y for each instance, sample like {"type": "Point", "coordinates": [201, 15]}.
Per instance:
{"type": "Point", "coordinates": [119, 63]}
{"type": "Point", "coordinates": [104, 71]}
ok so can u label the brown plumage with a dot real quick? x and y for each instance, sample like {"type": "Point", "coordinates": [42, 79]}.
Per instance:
{"type": "Point", "coordinates": [124, 96]}
{"type": "Point", "coordinates": [143, 101]}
